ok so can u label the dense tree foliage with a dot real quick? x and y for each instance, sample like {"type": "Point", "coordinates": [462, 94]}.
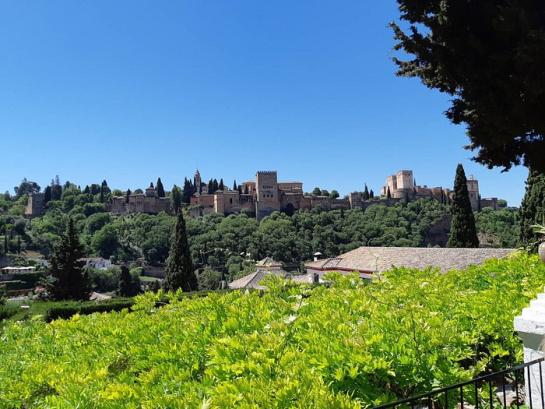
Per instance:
{"type": "Point", "coordinates": [67, 278]}
{"type": "Point", "coordinates": [489, 56]}
{"type": "Point", "coordinates": [231, 245]}
{"type": "Point", "coordinates": [463, 232]}
{"type": "Point", "coordinates": [180, 272]}
{"type": "Point", "coordinates": [532, 211]}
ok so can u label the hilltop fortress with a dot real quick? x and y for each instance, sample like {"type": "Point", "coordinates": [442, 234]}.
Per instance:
{"type": "Point", "coordinates": [265, 194]}
{"type": "Point", "coordinates": [260, 198]}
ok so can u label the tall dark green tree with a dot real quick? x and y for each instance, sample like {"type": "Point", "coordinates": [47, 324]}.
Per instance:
{"type": "Point", "coordinates": [180, 272]}
{"type": "Point", "coordinates": [365, 195]}
{"type": "Point", "coordinates": [47, 194]}
{"type": "Point", "coordinates": [488, 55]}
{"type": "Point", "coordinates": [160, 189]}
{"type": "Point", "coordinates": [176, 199]}
{"type": "Point", "coordinates": [127, 195]}
{"type": "Point", "coordinates": [532, 210]}
{"type": "Point", "coordinates": [388, 193]}
{"type": "Point", "coordinates": [371, 194]}
{"type": "Point", "coordinates": [463, 232]}
{"type": "Point", "coordinates": [215, 185]}
{"type": "Point", "coordinates": [235, 187]}
{"type": "Point", "coordinates": [67, 278]}
{"type": "Point", "coordinates": [210, 186]}
{"type": "Point", "coordinates": [128, 285]}
{"type": "Point", "coordinates": [221, 185]}
{"type": "Point", "coordinates": [188, 191]}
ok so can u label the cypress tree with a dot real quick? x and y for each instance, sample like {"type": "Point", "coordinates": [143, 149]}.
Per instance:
{"type": "Point", "coordinates": [210, 186]}
{"type": "Point", "coordinates": [67, 279]}
{"type": "Point", "coordinates": [365, 193]}
{"type": "Point", "coordinates": [128, 287]}
{"type": "Point", "coordinates": [371, 194]}
{"type": "Point", "coordinates": [532, 210]}
{"type": "Point", "coordinates": [221, 185]}
{"type": "Point", "coordinates": [160, 189]}
{"type": "Point", "coordinates": [47, 194]}
{"type": "Point", "coordinates": [462, 229]}
{"type": "Point", "coordinates": [187, 191]}
{"type": "Point", "coordinates": [176, 199]}
{"type": "Point", "coordinates": [87, 190]}
{"type": "Point", "coordinates": [235, 185]}
{"type": "Point", "coordinates": [388, 193]}
{"type": "Point", "coordinates": [179, 272]}
{"type": "Point", "coordinates": [128, 195]}
{"type": "Point", "coordinates": [215, 185]}
{"type": "Point", "coordinates": [6, 245]}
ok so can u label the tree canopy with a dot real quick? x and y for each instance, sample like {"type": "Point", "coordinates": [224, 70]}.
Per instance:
{"type": "Point", "coordinates": [489, 55]}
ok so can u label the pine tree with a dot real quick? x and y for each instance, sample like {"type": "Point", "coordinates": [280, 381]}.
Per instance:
{"type": "Point", "coordinates": [365, 193]}
{"type": "Point", "coordinates": [462, 229]}
{"type": "Point", "coordinates": [68, 279]}
{"type": "Point", "coordinates": [128, 286]}
{"type": "Point", "coordinates": [532, 210]}
{"type": "Point", "coordinates": [160, 189]}
{"type": "Point", "coordinates": [179, 272]}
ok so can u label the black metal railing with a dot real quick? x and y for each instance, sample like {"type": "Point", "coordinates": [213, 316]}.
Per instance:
{"type": "Point", "coordinates": [499, 389]}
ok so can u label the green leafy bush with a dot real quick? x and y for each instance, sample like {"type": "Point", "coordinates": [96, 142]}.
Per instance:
{"type": "Point", "coordinates": [353, 344]}
{"type": "Point", "coordinates": [70, 308]}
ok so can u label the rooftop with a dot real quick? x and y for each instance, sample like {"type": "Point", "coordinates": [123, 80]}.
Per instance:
{"type": "Point", "coordinates": [380, 259]}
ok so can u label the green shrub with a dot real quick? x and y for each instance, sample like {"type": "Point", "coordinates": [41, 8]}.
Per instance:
{"type": "Point", "coordinates": [68, 309]}
{"type": "Point", "coordinates": [350, 345]}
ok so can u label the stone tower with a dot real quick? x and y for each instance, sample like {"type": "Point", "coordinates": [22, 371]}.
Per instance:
{"type": "Point", "coordinates": [473, 190]}
{"type": "Point", "coordinates": [197, 182]}
{"type": "Point", "coordinates": [267, 198]}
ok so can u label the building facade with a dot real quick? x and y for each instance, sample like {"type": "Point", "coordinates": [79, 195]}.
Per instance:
{"type": "Point", "coordinates": [148, 202]}
{"type": "Point", "coordinates": [403, 186]}
{"type": "Point", "coordinates": [262, 197]}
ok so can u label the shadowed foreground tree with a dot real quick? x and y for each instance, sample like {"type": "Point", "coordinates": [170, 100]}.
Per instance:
{"type": "Point", "coordinates": [489, 55]}
{"type": "Point", "coordinates": [128, 285]}
{"type": "Point", "coordinates": [68, 279]}
{"type": "Point", "coordinates": [463, 232]}
{"type": "Point", "coordinates": [532, 210]}
{"type": "Point", "coordinates": [180, 272]}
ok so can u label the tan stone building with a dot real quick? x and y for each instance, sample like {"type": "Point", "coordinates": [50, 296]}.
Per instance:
{"type": "Point", "coordinates": [403, 186]}
{"type": "Point", "coordinates": [147, 202]}
{"type": "Point", "coordinates": [262, 197]}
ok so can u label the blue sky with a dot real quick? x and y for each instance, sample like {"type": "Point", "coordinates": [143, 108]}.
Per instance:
{"type": "Point", "coordinates": [131, 90]}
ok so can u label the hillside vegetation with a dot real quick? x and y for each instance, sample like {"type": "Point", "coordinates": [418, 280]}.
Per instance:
{"type": "Point", "coordinates": [232, 244]}
{"type": "Point", "coordinates": [352, 345]}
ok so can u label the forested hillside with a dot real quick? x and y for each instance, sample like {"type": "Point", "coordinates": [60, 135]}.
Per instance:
{"type": "Point", "coordinates": [232, 244]}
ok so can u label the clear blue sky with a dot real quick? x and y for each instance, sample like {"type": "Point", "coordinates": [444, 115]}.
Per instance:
{"type": "Point", "coordinates": [131, 90]}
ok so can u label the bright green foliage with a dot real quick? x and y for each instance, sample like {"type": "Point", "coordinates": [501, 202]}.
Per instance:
{"type": "Point", "coordinates": [67, 279]}
{"type": "Point", "coordinates": [532, 210]}
{"type": "Point", "coordinates": [180, 273]}
{"type": "Point", "coordinates": [351, 345]}
{"type": "Point", "coordinates": [463, 232]}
